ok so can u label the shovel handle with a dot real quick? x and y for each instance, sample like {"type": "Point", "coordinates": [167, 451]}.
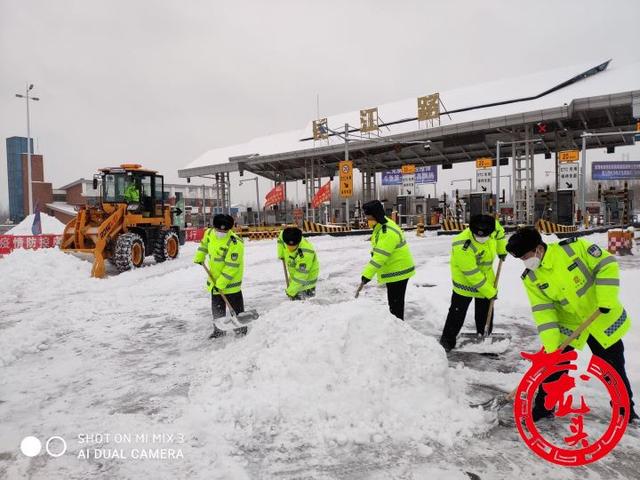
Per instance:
{"type": "Point", "coordinates": [487, 324]}
{"type": "Point", "coordinates": [224, 297]}
{"type": "Point", "coordinates": [359, 288]}
{"type": "Point", "coordinates": [286, 274]}
{"type": "Point", "coordinates": [576, 333]}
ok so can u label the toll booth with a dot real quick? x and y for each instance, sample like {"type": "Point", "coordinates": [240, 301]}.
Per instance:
{"type": "Point", "coordinates": [544, 205]}
{"type": "Point", "coordinates": [617, 204]}
{"type": "Point", "coordinates": [480, 203]}
{"type": "Point", "coordinates": [564, 207]}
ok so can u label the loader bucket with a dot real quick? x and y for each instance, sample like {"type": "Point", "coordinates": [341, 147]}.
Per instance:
{"type": "Point", "coordinates": [87, 235]}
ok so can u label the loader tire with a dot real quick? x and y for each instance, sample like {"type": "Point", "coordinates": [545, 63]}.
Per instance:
{"type": "Point", "coordinates": [167, 246]}
{"type": "Point", "coordinates": [129, 252]}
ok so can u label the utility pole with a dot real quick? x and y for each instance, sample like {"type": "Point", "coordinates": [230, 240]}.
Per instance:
{"type": "Point", "coordinates": [346, 157]}
{"type": "Point", "coordinates": [26, 96]}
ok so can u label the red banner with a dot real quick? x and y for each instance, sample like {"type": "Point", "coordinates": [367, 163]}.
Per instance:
{"type": "Point", "coordinates": [8, 243]}
{"type": "Point", "coordinates": [275, 196]}
{"type": "Point", "coordinates": [322, 195]}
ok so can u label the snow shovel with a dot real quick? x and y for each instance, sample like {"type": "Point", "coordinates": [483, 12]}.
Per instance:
{"type": "Point", "coordinates": [498, 336]}
{"type": "Point", "coordinates": [359, 288]}
{"type": "Point", "coordinates": [496, 403]}
{"type": "Point", "coordinates": [236, 320]}
{"type": "Point", "coordinates": [286, 274]}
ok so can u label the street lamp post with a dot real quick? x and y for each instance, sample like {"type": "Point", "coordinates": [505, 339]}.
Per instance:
{"type": "Point", "coordinates": [26, 96]}
{"type": "Point", "coordinates": [257, 194]}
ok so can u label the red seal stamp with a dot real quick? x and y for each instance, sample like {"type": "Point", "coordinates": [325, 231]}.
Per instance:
{"type": "Point", "coordinates": [577, 447]}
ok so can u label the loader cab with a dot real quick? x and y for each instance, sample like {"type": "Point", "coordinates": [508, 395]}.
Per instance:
{"type": "Point", "coordinates": [142, 190]}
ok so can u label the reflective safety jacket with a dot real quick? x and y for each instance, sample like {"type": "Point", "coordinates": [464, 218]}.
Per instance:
{"type": "Point", "coordinates": [282, 247]}
{"type": "Point", "coordinates": [472, 265]}
{"type": "Point", "coordinates": [501, 240]}
{"type": "Point", "coordinates": [131, 194]}
{"type": "Point", "coordinates": [390, 256]}
{"type": "Point", "coordinates": [226, 260]}
{"type": "Point", "coordinates": [303, 268]}
{"type": "Point", "coordinates": [574, 279]}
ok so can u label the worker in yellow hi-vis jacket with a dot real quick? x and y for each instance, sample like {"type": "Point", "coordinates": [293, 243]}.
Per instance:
{"type": "Point", "coordinates": [226, 264]}
{"type": "Point", "coordinates": [390, 259]}
{"type": "Point", "coordinates": [567, 282]}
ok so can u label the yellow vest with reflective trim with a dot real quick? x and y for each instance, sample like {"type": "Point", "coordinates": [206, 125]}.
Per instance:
{"type": "Point", "coordinates": [472, 265]}
{"type": "Point", "coordinates": [303, 267]}
{"type": "Point", "coordinates": [226, 260]}
{"type": "Point", "coordinates": [391, 259]}
{"type": "Point", "coordinates": [574, 279]}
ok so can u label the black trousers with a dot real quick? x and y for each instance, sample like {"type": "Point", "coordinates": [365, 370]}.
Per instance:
{"type": "Point", "coordinates": [395, 297]}
{"type": "Point", "coordinates": [457, 314]}
{"type": "Point", "coordinates": [219, 308]}
{"type": "Point", "coordinates": [614, 355]}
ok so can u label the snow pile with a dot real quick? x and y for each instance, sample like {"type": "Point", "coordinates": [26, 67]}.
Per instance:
{"type": "Point", "coordinates": [50, 225]}
{"type": "Point", "coordinates": [311, 375]}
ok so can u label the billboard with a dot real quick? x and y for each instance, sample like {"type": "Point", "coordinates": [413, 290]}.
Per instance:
{"type": "Point", "coordinates": [424, 174]}
{"type": "Point", "coordinates": [615, 170]}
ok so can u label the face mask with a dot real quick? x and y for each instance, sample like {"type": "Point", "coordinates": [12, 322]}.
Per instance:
{"type": "Point", "coordinates": [532, 262]}
{"type": "Point", "coordinates": [292, 248]}
{"type": "Point", "coordinates": [220, 234]}
{"type": "Point", "coordinates": [371, 223]}
{"type": "Point", "coordinates": [481, 239]}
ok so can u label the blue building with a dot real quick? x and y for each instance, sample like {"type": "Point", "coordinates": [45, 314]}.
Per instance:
{"type": "Point", "coordinates": [16, 146]}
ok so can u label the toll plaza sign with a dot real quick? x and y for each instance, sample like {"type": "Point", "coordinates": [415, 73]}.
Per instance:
{"type": "Point", "coordinates": [568, 176]}
{"type": "Point", "coordinates": [615, 170]}
{"type": "Point", "coordinates": [346, 178]}
{"type": "Point", "coordinates": [568, 156]}
{"type": "Point", "coordinates": [423, 174]}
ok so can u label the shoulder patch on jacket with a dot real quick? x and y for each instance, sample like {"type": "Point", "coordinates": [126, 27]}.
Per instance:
{"type": "Point", "coordinates": [594, 251]}
{"type": "Point", "coordinates": [466, 244]}
{"type": "Point", "coordinates": [569, 240]}
{"type": "Point", "coordinates": [542, 286]}
{"type": "Point", "coordinates": [524, 274]}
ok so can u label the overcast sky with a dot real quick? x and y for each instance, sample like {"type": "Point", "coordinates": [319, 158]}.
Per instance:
{"type": "Point", "coordinates": [160, 82]}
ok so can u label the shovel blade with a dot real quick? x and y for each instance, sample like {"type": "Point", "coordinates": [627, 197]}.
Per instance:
{"type": "Point", "coordinates": [495, 403]}
{"type": "Point", "coordinates": [240, 320]}
{"type": "Point", "coordinates": [468, 336]}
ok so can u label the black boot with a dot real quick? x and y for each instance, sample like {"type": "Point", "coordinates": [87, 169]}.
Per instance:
{"type": "Point", "coordinates": [216, 333]}
{"type": "Point", "coordinates": [539, 412]}
{"type": "Point", "coordinates": [446, 345]}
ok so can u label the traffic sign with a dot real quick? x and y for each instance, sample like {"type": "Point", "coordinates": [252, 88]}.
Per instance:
{"type": "Point", "coordinates": [483, 180]}
{"type": "Point", "coordinates": [346, 178]}
{"type": "Point", "coordinates": [408, 169]}
{"type": "Point", "coordinates": [568, 176]}
{"type": "Point", "coordinates": [569, 156]}
{"type": "Point", "coordinates": [484, 162]}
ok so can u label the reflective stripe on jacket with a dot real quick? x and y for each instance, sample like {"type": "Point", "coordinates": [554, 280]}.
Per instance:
{"type": "Point", "coordinates": [226, 260]}
{"type": "Point", "coordinates": [574, 279]}
{"type": "Point", "coordinates": [472, 265]}
{"type": "Point", "coordinates": [390, 259]}
{"type": "Point", "coordinates": [303, 267]}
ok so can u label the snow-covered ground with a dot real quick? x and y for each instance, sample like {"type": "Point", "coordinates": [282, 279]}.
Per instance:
{"type": "Point", "coordinates": [50, 225]}
{"type": "Point", "coordinates": [331, 388]}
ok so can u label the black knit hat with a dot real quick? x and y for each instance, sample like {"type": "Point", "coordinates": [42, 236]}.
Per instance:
{"type": "Point", "coordinates": [523, 241]}
{"type": "Point", "coordinates": [292, 236]}
{"type": "Point", "coordinates": [482, 225]}
{"type": "Point", "coordinates": [222, 221]}
{"type": "Point", "coordinates": [376, 210]}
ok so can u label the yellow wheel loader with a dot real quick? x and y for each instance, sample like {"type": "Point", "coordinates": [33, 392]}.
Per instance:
{"type": "Point", "coordinates": [130, 222]}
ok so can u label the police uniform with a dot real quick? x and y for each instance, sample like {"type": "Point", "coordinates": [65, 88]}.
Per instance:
{"type": "Point", "coordinates": [575, 278]}
{"type": "Point", "coordinates": [226, 264]}
{"type": "Point", "coordinates": [391, 262]}
{"type": "Point", "coordinates": [472, 277]}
